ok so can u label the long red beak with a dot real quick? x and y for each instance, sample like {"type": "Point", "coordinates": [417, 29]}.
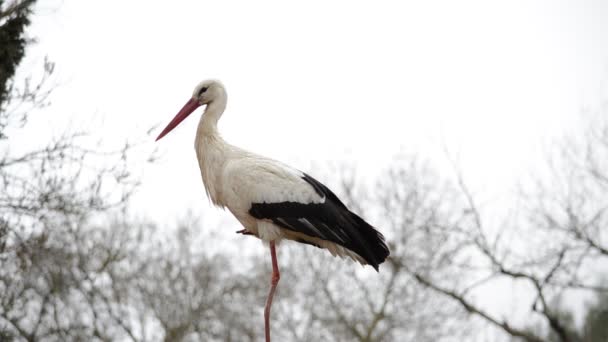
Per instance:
{"type": "Point", "coordinates": [188, 108]}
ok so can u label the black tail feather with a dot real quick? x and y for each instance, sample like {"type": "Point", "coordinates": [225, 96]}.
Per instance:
{"type": "Point", "coordinates": [368, 242]}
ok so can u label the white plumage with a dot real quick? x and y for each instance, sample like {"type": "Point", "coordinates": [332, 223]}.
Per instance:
{"type": "Point", "coordinates": [270, 199]}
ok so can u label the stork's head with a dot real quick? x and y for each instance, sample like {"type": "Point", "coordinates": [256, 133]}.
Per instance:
{"type": "Point", "coordinates": [205, 93]}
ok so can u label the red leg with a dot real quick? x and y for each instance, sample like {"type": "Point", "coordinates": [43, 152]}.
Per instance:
{"type": "Point", "coordinates": [273, 285]}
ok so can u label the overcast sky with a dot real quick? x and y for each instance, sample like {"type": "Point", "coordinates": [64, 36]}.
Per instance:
{"type": "Point", "coordinates": [322, 81]}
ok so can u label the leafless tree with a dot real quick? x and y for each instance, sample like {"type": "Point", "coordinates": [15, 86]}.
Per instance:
{"type": "Point", "coordinates": [52, 196]}
{"type": "Point", "coordinates": [193, 295]}
{"type": "Point", "coordinates": [49, 197]}
{"type": "Point", "coordinates": [555, 248]}
{"type": "Point", "coordinates": [443, 244]}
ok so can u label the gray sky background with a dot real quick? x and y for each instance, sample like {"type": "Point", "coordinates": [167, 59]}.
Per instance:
{"type": "Point", "coordinates": [323, 81]}
{"type": "Point", "coordinates": [319, 82]}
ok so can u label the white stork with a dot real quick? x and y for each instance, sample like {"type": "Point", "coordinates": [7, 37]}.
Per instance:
{"type": "Point", "coordinates": [272, 200]}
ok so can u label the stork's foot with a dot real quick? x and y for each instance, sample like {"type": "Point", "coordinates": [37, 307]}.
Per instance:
{"type": "Point", "coordinates": [244, 232]}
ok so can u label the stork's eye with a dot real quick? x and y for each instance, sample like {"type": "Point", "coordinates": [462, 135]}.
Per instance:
{"type": "Point", "coordinates": [203, 89]}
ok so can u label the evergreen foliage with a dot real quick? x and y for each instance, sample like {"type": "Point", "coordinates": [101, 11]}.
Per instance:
{"type": "Point", "coordinates": [14, 17]}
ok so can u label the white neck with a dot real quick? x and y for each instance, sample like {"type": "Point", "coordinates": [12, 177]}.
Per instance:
{"type": "Point", "coordinates": [211, 148]}
{"type": "Point", "coordinates": [212, 114]}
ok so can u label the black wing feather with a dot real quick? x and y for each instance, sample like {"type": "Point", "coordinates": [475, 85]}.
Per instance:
{"type": "Point", "coordinates": [330, 220]}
